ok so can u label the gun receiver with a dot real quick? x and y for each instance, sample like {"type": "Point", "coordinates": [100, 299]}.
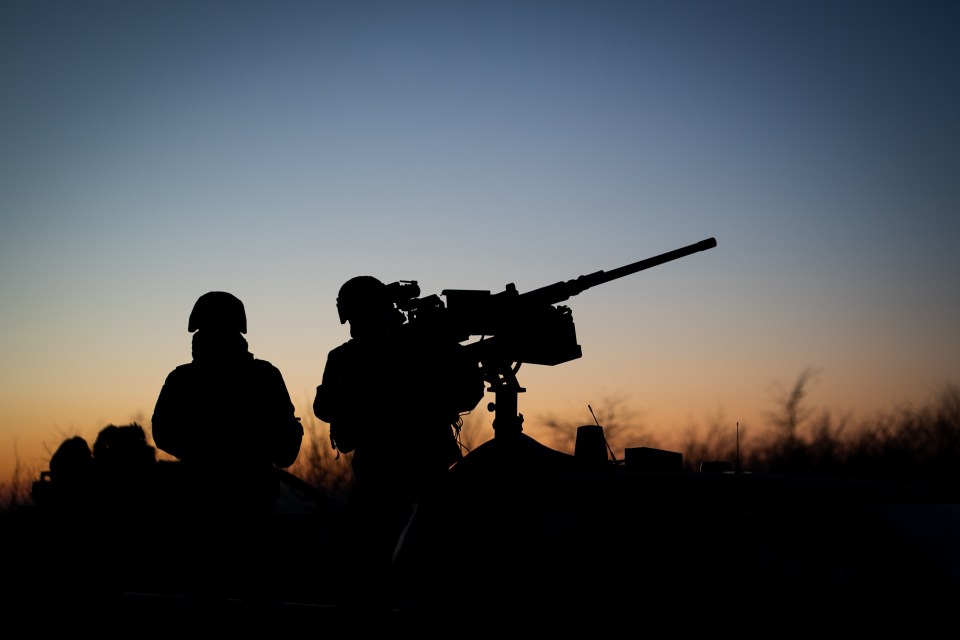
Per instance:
{"type": "Point", "coordinates": [515, 327]}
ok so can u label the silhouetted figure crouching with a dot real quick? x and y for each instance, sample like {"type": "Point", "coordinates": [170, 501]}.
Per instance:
{"type": "Point", "coordinates": [95, 508]}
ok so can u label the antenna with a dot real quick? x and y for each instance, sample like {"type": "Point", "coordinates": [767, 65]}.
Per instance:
{"type": "Point", "coordinates": [594, 416]}
{"type": "Point", "coordinates": [612, 455]}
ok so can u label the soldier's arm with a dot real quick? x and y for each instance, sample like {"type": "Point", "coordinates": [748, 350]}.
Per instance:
{"type": "Point", "coordinates": [331, 389]}
{"type": "Point", "coordinates": [285, 430]}
{"type": "Point", "coordinates": [332, 403]}
{"type": "Point", "coordinates": [169, 419]}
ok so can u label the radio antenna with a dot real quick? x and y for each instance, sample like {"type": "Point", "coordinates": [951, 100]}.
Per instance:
{"type": "Point", "coordinates": [612, 454]}
{"type": "Point", "coordinates": [594, 416]}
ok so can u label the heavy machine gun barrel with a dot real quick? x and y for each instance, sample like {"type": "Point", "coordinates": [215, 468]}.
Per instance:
{"type": "Point", "coordinates": [560, 291]}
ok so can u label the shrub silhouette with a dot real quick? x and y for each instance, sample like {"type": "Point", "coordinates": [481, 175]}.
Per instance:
{"type": "Point", "coordinates": [320, 465]}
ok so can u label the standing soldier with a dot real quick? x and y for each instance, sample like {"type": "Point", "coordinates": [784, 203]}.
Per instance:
{"type": "Point", "coordinates": [229, 419]}
{"type": "Point", "coordinates": [393, 396]}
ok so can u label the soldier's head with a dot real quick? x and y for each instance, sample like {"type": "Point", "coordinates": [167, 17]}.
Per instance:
{"type": "Point", "coordinates": [218, 311]}
{"type": "Point", "coordinates": [365, 303]}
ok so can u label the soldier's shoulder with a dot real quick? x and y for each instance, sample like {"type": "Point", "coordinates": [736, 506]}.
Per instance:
{"type": "Point", "coordinates": [181, 371]}
{"type": "Point", "coordinates": [264, 366]}
{"type": "Point", "coordinates": [343, 349]}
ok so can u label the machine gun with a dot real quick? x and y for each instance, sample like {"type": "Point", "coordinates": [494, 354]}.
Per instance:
{"type": "Point", "coordinates": [513, 327]}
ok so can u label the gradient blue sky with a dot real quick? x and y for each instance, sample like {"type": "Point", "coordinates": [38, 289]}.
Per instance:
{"type": "Point", "coordinates": [153, 151]}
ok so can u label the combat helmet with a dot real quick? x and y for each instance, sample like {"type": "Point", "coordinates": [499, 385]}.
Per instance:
{"type": "Point", "coordinates": [218, 310]}
{"type": "Point", "coordinates": [361, 296]}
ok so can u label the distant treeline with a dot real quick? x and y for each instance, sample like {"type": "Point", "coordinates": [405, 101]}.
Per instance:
{"type": "Point", "coordinates": [909, 445]}
{"type": "Point", "coordinates": [916, 445]}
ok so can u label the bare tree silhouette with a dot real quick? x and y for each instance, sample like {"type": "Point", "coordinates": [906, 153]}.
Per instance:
{"type": "Point", "coordinates": [721, 440]}
{"type": "Point", "coordinates": [793, 410]}
{"type": "Point", "coordinates": [319, 464]}
{"type": "Point", "coordinates": [16, 493]}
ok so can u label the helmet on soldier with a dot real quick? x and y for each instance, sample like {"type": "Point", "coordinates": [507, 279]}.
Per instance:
{"type": "Point", "coordinates": [218, 310]}
{"type": "Point", "coordinates": [362, 296]}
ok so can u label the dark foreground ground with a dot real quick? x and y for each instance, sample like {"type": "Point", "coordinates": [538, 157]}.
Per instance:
{"type": "Point", "coordinates": [529, 540]}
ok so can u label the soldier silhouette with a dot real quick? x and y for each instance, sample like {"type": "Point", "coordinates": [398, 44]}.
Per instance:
{"type": "Point", "coordinates": [393, 396]}
{"type": "Point", "coordinates": [90, 501]}
{"type": "Point", "coordinates": [227, 416]}
{"type": "Point", "coordinates": [69, 483]}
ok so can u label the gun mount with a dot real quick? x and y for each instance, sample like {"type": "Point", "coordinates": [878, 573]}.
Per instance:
{"type": "Point", "coordinates": [512, 328]}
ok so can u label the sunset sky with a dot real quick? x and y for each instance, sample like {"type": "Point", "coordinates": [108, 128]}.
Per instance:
{"type": "Point", "coordinates": [153, 151]}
